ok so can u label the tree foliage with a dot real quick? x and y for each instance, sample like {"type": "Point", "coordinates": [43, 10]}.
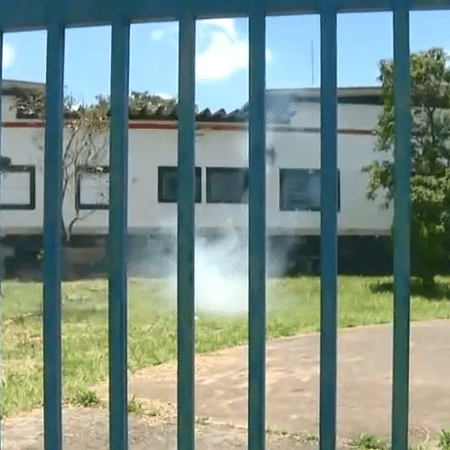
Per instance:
{"type": "Point", "coordinates": [430, 142]}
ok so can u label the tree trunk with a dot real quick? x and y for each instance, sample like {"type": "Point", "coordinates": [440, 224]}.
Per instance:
{"type": "Point", "coordinates": [428, 282]}
{"type": "Point", "coordinates": [65, 236]}
{"type": "Point", "coordinates": [70, 228]}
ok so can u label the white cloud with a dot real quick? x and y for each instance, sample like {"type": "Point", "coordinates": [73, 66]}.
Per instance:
{"type": "Point", "coordinates": [165, 96]}
{"type": "Point", "coordinates": [225, 54]}
{"type": "Point", "coordinates": [222, 58]}
{"type": "Point", "coordinates": [157, 35]}
{"type": "Point", "coordinates": [222, 52]}
{"type": "Point", "coordinates": [226, 25]}
{"type": "Point", "coordinates": [8, 56]}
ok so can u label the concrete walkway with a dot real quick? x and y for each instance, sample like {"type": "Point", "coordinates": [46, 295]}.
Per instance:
{"type": "Point", "coordinates": [364, 382]}
{"type": "Point", "coordinates": [364, 396]}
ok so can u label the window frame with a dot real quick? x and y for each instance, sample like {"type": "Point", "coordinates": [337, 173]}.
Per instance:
{"type": "Point", "coordinates": [281, 199]}
{"type": "Point", "coordinates": [210, 170]}
{"type": "Point", "coordinates": [198, 188]}
{"type": "Point", "coordinates": [88, 206]}
{"type": "Point", "coordinates": [21, 168]}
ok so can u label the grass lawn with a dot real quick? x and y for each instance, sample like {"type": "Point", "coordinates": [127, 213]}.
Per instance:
{"type": "Point", "coordinates": [293, 308]}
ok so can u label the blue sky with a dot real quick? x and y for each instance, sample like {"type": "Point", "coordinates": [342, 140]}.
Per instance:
{"type": "Point", "coordinates": [222, 55]}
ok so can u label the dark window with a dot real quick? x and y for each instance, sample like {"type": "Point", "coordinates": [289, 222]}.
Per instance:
{"type": "Point", "coordinates": [18, 187]}
{"type": "Point", "coordinates": [92, 191]}
{"type": "Point", "coordinates": [168, 183]}
{"type": "Point", "coordinates": [300, 190]}
{"type": "Point", "coordinates": [226, 185]}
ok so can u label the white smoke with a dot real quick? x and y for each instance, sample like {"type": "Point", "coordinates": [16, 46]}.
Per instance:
{"type": "Point", "coordinates": [221, 284]}
{"type": "Point", "coordinates": [221, 275]}
{"type": "Point", "coordinates": [220, 271]}
{"type": "Point", "coordinates": [221, 263]}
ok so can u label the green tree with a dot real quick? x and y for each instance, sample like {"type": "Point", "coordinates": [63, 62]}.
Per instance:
{"type": "Point", "coordinates": [430, 141]}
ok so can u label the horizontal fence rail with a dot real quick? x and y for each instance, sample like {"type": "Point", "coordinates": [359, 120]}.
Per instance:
{"type": "Point", "coordinates": [30, 14]}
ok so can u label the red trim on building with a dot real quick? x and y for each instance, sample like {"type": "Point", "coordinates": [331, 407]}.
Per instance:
{"type": "Point", "coordinates": [355, 131]}
{"type": "Point", "coordinates": [173, 125]}
{"type": "Point", "coordinates": [169, 125]}
{"type": "Point", "coordinates": [27, 124]}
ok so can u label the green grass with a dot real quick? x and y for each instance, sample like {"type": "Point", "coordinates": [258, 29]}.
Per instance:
{"type": "Point", "coordinates": [371, 442]}
{"type": "Point", "coordinates": [86, 399]}
{"type": "Point", "coordinates": [135, 406]}
{"type": "Point", "coordinates": [444, 440]}
{"type": "Point", "coordinates": [293, 306]}
{"type": "Point", "coordinates": [139, 408]}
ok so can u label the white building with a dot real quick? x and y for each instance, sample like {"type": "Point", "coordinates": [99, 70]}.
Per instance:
{"type": "Point", "coordinates": [293, 171]}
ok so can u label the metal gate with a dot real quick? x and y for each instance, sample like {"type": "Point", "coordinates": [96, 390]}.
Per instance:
{"type": "Point", "coordinates": [55, 16]}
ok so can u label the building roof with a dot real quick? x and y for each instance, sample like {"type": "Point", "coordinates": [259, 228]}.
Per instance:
{"type": "Point", "coordinates": [354, 95]}
{"type": "Point", "coordinates": [206, 115]}
{"type": "Point", "coordinates": [279, 103]}
{"type": "Point", "coordinates": [19, 88]}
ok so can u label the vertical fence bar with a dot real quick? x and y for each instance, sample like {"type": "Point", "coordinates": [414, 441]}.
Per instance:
{"type": "Point", "coordinates": [328, 226]}
{"type": "Point", "coordinates": [118, 192]}
{"type": "Point", "coordinates": [1, 251]}
{"type": "Point", "coordinates": [402, 214]}
{"type": "Point", "coordinates": [52, 237]}
{"type": "Point", "coordinates": [257, 229]}
{"type": "Point", "coordinates": [186, 236]}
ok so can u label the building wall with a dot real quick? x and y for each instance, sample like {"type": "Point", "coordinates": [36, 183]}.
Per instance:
{"type": "Point", "coordinates": [294, 145]}
{"type": "Point", "coordinates": [149, 148]}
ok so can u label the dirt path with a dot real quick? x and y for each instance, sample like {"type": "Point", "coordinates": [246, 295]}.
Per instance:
{"type": "Point", "coordinates": [87, 428]}
{"type": "Point", "coordinates": [364, 396]}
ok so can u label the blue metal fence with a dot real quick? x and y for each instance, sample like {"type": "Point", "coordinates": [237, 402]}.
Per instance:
{"type": "Point", "coordinates": [55, 16]}
{"type": "Point", "coordinates": [117, 291]}
{"type": "Point", "coordinates": [52, 234]}
{"type": "Point", "coordinates": [400, 392]}
{"type": "Point", "coordinates": [186, 210]}
{"type": "Point", "coordinates": [328, 237]}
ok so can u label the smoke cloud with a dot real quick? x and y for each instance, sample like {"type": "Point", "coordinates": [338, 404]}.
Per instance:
{"type": "Point", "coordinates": [221, 263]}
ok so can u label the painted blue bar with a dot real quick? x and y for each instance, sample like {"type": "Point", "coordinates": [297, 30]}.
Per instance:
{"type": "Point", "coordinates": [118, 395]}
{"type": "Point", "coordinates": [1, 259]}
{"type": "Point", "coordinates": [257, 229]}
{"type": "Point", "coordinates": [52, 237]}
{"type": "Point", "coordinates": [32, 14]}
{"type": "Point", "coordinates": [328, 232]}
{"type": "Point", "coordinates": [402, 217]}
{"type": "Point", "coordinates": [186, 235]}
